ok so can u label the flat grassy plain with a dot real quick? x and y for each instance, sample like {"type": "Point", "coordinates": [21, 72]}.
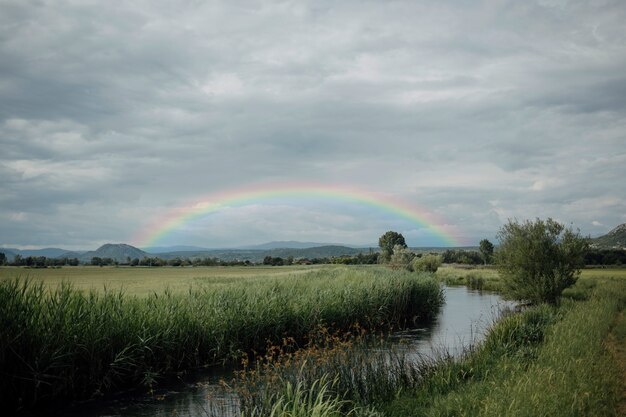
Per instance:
{"type": "Point", "coordinates": [487, 278]}
{"type": "Point", "coordinates": [144, 281]}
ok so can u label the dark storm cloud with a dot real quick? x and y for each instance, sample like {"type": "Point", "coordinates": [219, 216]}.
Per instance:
{"type": "Point", "coordinates": [479, 111]}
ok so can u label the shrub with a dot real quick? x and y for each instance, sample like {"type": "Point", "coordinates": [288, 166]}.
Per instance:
{"type": "Point", "coordinates": [427, 263]}
{"type": "Point", "coordinates": [401, 258]}
{"type": "Point", "coordinates": [538, 260]}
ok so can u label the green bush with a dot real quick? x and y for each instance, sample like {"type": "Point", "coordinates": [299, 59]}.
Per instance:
{"type": "Point", "coordinates": [538, 260]}
{"type": "Point", "coordinates": [427, 263]}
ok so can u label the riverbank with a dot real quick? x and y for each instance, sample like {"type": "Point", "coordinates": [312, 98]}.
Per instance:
{"type": "Point", "coordinates": [546, 361]}
{"type": "Point", "coordinates": [67, 344]}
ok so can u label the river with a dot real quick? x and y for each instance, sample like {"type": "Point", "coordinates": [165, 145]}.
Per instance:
{"type": "Point", "coordinates": [461, 321]}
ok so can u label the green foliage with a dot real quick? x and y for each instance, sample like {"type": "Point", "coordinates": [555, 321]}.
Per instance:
{"type": "Point", "coordinates": [365, 372]}
{"type": "Point", "coordinates": [538, 260]}
{"type": "Point", "coordinates": [3, 258]}
{"type": "Point", "coordinates": [427, 263]}
{"type": "Point", "coordinates": [486, 251]}
{"type": "Point", "coordinates": [475, 281]}
{"type": "Point", "coordinates": [546, 361]}
{"type": "Point", "coordinates": [274, 261]}
{"type": "Point", "coordinates": [67, 344]}
{"type": "Point", "coordinates": [605, 257]}
{"type": "Point", "coordinates": [459, 256]}
{"type": "Point", "coordinates": [388, 242]}
{"type": "Point", "coordinates": [359, 259]}
{"type": "Point", "coordinates": [297, 401]}
{"type": "Point", "coordinates": [402, 258]}
{"type": "Point", "coordinates": [479, 278]}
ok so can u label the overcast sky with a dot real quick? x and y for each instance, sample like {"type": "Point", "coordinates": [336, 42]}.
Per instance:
{"type": "Point", "coordinates": [113, 114]}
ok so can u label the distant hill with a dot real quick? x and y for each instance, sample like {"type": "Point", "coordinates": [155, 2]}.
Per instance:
{"type": "Point", "coordinates": [289, 244]}
{"type": "Point", "coordinates": [71, 254]}
{"type": "Point", "coordinates": [117, 251]}
{"type": "Point", "coordinates": [327, 251]}
{"type": "Point", "coordinates": [615, 239]}
{"type": "Point", "coordinates": [10, 254]}
{"type": "Point", "coordinates": [222, 254]}
{"type": "Point", "coordinates": [47, 252]}
{"type": "Point", "coordinates": [284, 249]}
{"type": "Point", "coordinates": [257, 255]}
{"type": "Point", "coordinates": [177, 248]}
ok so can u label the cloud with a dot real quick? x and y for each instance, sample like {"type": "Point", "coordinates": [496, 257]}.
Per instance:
{"type": "Point", "coordinates": [110, 117]}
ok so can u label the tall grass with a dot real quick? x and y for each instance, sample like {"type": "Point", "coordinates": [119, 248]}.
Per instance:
{"type": "Point", "coordinates": [478, 278]}
{"type": "Point", "coordinates": [65, 344]}
{"type": "Point", "coordinates": [364, 370]}
{"type": "Point", "coordinates": [545, 362]}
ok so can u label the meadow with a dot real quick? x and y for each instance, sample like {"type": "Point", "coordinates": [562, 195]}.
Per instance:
{"type": "Point", "coordinates": [143, 281]}
{"type": "Point", "coordinates": [565, 360]}
{"type": "Point", "coordinates": [64, 342]}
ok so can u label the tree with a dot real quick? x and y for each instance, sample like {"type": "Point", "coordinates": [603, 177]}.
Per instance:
{"type": "Point", "coordinates": [388, 241]}
{"type": "Point", "coordinates": [401, 258]}
{"type": "Point", "coordinates": [3, 258]}
{"type": "Point", "coordinates": [486, 251]}
{"type": "Point", "coordinates": [538, 260]}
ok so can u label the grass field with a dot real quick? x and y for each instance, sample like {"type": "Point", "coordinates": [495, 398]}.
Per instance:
{"type": "Point", "coordinates": [145, 280]}
{"type": "Point", "coordinates": [486, 278]}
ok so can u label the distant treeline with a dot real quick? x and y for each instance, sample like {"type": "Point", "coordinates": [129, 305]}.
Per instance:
{"type": "Point", "coordinates": [359, 259]}
{"type": "Point", "coordinates": [593, 257]}
{"type": "Point", "coordinates": [156, 261]}
{"type": "Point", "coordinates": [459, 256]}
{"type": "Point", "coordinates": [38, 261]}
{"type": "Point", "coordinates": [605, 257]}
{"type": "Point", "coordinates": [43, 262]}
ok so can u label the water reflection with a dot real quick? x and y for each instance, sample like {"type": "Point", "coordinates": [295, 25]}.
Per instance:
{"type": "Point", "coordinates": [463, 319]}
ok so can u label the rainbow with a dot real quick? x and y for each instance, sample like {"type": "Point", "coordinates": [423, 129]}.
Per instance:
{"type": "Point", "coordinates": [162, 226]}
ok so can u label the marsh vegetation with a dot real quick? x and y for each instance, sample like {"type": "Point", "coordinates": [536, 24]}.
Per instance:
{"type": "Point", "coordinates": [62, 343]}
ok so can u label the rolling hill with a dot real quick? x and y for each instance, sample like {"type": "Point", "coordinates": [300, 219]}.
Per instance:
{"type": "Point", "coordinates": [117, 251]}
{"type": "Point", "coordinates": [47, 252]}
{"type": "Point", "coordinates": [615, 239]}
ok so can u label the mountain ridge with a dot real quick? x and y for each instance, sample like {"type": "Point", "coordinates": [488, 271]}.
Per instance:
{"type": "Point", "coordinates": [614, 239]}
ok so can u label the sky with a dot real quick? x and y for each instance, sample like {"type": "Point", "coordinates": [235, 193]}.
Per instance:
{"type": "Point", "coordinates": [113, 116]}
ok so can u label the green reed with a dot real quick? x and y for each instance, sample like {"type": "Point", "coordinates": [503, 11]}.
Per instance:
{"type": "Point", "coordinates": [65, 344]}
{"type": "Point", "coordinates": [363, 368]}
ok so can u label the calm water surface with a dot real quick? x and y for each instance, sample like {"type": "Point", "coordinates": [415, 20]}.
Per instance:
{"type": "Point", "coordinates": [462, 320]}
